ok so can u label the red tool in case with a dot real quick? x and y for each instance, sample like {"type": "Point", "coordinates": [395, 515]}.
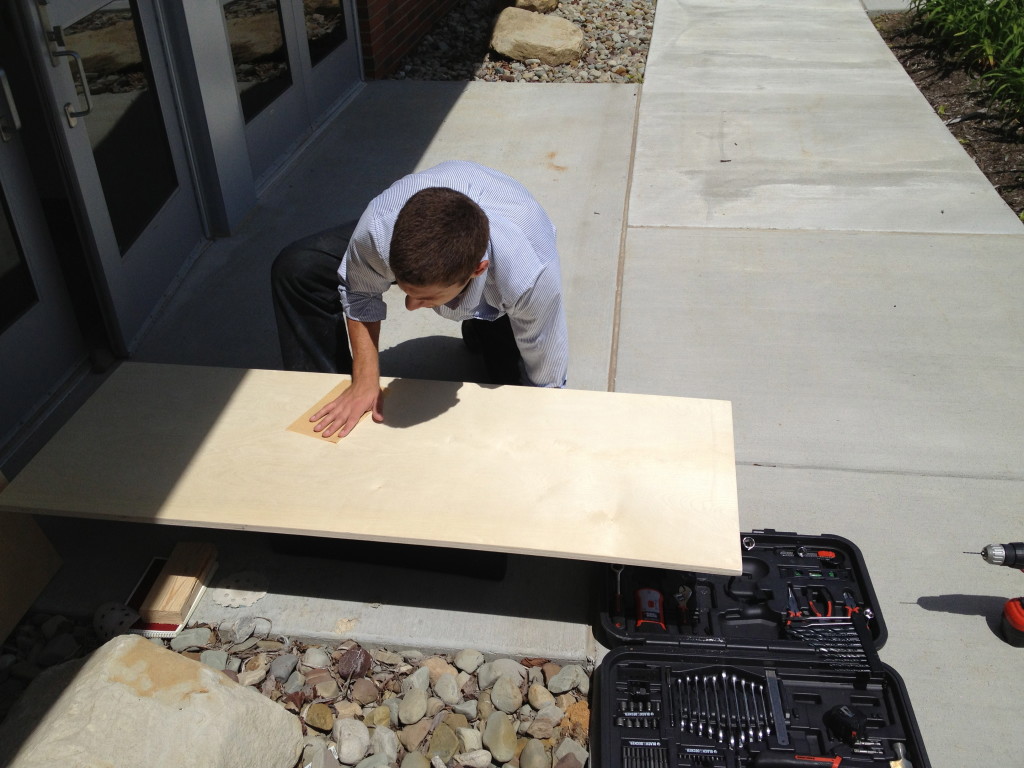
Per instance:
{"type": "Point", "coordinates": [777, 666]}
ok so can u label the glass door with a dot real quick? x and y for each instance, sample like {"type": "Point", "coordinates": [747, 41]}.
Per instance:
{"type": "Point", "coordinates": [293, 61]}
{"type": "Point", "coordinates": [40, 344]}
{"type": "Point", "coordinates": [329, 51]}
{"type": "Point", "coordinates": [106, 71]}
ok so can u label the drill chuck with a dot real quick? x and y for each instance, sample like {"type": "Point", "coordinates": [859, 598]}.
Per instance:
{"type": "Point", "coordinates": [1010, 555]}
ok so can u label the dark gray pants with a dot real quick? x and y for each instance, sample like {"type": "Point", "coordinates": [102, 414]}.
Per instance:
{"type": "Point", "coordinates": [311, 324]}
{"type": "Point", "coordinates": [307, 306]}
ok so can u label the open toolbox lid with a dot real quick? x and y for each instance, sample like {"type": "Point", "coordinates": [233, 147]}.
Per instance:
{"type": "Point", "coordinates": [777, 666]}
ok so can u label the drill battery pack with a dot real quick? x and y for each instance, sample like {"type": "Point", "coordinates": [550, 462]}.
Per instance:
{"type": "Point", "coordinates": [777, 666]}
{"type": "Point", "coordinates": [1012, 625]}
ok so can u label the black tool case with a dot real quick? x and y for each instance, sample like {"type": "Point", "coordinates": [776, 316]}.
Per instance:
{"type": "Point", "coordinates": [776, 667]}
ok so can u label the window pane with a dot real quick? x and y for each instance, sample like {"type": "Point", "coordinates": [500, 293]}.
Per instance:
{"type": "Point", "coordinates": [258, 51]}
{"type": "Point", "coordinates": [126, 128]}
{"type": "Point", "coordinates": [325, 27]}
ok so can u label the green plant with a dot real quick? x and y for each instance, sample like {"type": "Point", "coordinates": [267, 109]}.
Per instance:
{"type": "Point", "coordinates": [1006, 84]}
{"type": "Point", "coordinates": [986, 36]}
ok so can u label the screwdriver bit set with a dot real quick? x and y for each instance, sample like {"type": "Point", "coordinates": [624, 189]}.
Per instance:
{"type": "Point", "coordinates": [777, 666]}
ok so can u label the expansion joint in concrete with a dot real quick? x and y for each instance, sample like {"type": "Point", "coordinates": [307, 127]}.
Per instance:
{"type": "Point", "coordinates": [1004, 477]}
{"type": "Point", "coordinates": [613, 355]}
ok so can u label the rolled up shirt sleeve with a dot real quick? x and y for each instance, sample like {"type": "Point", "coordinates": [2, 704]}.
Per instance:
{"type": "Point", "coordinates": [363, 277]}
{"type": "Point", "coordinates": [538, 322]}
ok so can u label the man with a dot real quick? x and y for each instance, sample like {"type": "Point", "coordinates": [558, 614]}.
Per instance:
{"type": "Point", "coordinates": [466, 241]}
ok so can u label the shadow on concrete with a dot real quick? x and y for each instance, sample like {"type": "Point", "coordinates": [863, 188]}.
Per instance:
{"type": "Point", "coordinates": [323, 568]}
{"type": "Point", "coordinates": [221, 314]}
{"type": "Point", "coordinates": [986, 606]}
{"type": "Point", "coordinates": [436, 358]}
{"type": "Point", "coordinates": [435, 578]}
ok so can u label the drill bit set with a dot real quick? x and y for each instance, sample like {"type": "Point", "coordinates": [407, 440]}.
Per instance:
{"type": "Point", "coordinates": [640, 754]}
{"type": "Point", "coordinates": [776, 666]}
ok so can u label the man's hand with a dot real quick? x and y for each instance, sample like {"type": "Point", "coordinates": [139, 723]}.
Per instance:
{"type": "Point", "coordinates": [342, 414]}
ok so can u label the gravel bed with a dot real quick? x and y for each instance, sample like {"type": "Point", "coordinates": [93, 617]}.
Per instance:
{"type": "Point", "coordinates": [617, 35]}
{"type": "Point", "coordinates": [470, 710]}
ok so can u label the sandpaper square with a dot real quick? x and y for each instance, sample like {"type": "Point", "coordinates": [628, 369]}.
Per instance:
{"type": "Point", "coordinates": [303, 425]}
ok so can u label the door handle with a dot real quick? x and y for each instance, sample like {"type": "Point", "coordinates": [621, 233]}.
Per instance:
{"type": "Point", "coordinates": [11, 122]}
{"type": "Point", "coordinates": [74, 114]}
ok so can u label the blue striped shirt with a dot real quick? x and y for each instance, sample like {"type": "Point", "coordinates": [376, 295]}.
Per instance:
{"type": "Point", "coordinates": [522, 280]}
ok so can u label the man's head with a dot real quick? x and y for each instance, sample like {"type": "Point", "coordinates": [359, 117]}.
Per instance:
{"type": "Point", "coordinates": [439, 240]}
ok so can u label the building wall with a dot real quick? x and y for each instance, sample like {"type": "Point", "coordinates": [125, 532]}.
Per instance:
{"type": "Point", "coordinates": [388, 29]}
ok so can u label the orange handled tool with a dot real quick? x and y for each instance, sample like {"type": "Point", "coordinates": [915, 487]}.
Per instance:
{"type": "Point", "coordinates": [786, 760]}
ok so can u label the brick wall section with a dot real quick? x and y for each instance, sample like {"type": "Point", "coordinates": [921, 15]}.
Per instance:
{"type": "Point", "coordinates": [388, 29]}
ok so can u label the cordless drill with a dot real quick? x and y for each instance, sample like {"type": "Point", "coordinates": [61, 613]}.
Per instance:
{"type": "Point", "coordinates": [1012, 556]}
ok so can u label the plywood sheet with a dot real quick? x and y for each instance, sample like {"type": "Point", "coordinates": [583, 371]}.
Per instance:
{"type": "Point", "coordinates": [609, 477]}
{"type": "Point", "coordinates": [27, 562]}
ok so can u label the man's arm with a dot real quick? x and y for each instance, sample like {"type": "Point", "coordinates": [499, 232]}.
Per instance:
{"type": "Point", "coordinates": [343, 414]}
{"type": "Point", "coordinates": [538, 323]}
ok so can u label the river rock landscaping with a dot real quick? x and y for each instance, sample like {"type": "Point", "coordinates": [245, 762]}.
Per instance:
{"type": "Point", "coordinates": [616, 39]}
{"type": "Point", "coordinates": [367, 707]}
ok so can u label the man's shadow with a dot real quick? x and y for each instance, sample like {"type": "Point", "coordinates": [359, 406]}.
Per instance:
{"type": "Point", "coordinates": [434, 358]}
{"type": "Point", "coordinates": [408, 402]}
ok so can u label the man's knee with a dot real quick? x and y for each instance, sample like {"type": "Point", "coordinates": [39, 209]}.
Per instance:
{"type": "Point", "coordinates": [315, 258]}
{"type": "Point", "coordinates": [291, 264]}
{"type": "Point", "coordinates": [305, 270]}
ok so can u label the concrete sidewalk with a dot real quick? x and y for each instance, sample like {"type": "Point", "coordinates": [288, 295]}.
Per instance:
{"type": "Point", "coordinates": [806, 239]}
{"type": "Point", "coordinates": [776, 218]}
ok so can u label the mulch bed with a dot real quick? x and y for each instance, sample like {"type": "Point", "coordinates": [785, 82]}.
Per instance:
{"type": "Point", "coordinates": [995, 142]}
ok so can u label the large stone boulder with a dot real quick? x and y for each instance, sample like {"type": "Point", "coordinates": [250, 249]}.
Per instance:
{"type": "Point", "coordinates": [540, 6]}
{"type": "Point", "coordinates": [523, 35]}
{"type": "Point", "coordinates": [134, 704]}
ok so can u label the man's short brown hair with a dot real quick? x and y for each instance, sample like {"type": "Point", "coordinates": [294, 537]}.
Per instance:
{"type": "Point", "coordinates": [440, 237]}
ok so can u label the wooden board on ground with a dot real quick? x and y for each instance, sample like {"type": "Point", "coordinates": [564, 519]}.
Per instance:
{"type": "Point", "coordinates": [178, 583]}
{"type": "Point", "coordinates": [601, 476]}
{"type": "Point", "coordinates": [27, 563]}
